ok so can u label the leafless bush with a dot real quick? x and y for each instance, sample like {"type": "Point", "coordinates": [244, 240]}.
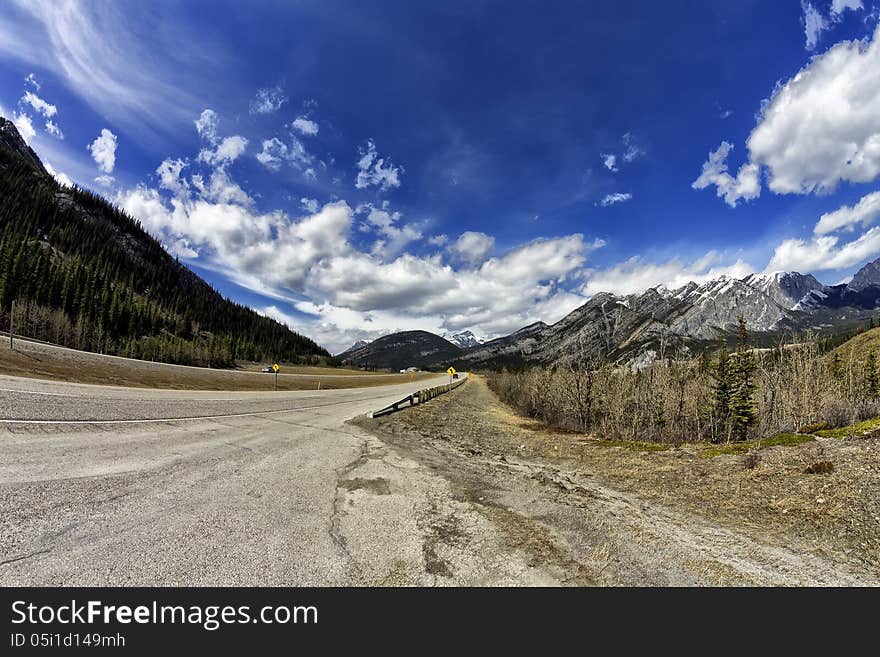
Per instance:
{"type": "Point", "coordinates": [672, 401]}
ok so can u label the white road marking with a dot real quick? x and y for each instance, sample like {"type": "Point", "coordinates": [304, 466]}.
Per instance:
{"type": "Point", "coordinates": [185, 419]}
{"type": "Point", "coordinates": [35, 392]}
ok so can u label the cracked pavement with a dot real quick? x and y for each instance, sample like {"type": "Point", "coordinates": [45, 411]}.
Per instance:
{"type": "Point", "coordinates": [271, 489]}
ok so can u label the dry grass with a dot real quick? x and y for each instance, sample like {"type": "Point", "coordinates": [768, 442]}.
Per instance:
{"type": "Point", "coordinates": [837, 511]}
{"type": "Point", "coordinates": [46, 362]}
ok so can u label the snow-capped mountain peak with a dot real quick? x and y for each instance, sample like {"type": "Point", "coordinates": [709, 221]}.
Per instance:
{"type": "Point", "coordinates": [464, 339]}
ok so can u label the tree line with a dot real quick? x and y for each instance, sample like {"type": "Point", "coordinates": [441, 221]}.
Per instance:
{"type": "Point", "coordinates": [84, 274]}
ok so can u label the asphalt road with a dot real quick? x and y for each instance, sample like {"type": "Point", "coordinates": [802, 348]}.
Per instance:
{"type": "Point", "coordinates": [124, 486]}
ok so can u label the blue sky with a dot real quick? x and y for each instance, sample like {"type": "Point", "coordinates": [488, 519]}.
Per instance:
{"type": "Point", "coordinates": [358, 168]}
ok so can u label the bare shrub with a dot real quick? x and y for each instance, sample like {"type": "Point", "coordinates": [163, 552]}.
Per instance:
{"type": "Point", "coordinates": [797, 387]}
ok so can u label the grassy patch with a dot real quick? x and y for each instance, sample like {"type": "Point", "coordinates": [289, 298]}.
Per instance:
{"type": "Point", "coordinates": [852, 430]}
{"type": "Point", "coordinates": [782, 439]}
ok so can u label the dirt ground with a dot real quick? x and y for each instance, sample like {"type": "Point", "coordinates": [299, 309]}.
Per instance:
{"type": "Point", "coordinates": [43, 361]}
{"type": "Point", "coordinates": [624, 514]}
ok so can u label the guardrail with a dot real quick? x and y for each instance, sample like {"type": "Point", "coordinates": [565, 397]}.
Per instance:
{"type": "Point", "coordinates": [419, 397]}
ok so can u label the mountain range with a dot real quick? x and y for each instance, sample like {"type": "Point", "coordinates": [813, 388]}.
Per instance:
{"type": "Point", "coordinates": [658, 320]}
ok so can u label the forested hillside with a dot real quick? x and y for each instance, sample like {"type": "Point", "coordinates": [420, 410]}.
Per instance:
{"type": "Point", "coordinates": [83, 274]}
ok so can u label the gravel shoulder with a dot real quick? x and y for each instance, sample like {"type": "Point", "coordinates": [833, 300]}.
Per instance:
{"type": "Point", "coordinates": [616, 515]}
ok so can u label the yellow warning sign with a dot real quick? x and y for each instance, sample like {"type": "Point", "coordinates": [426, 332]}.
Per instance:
{"type": "Point", "coordinates": [275, 368]}
{"type": "Point", "coordinates": [450, 371]}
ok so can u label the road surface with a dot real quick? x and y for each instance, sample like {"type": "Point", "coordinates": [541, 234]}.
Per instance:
{"type": "Point", "coordinates": [123, 486]}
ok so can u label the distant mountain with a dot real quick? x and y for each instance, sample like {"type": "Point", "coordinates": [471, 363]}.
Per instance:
{"type": "Point", "coordinates": [464, 339]}
{"type": "Point", "coordinates": [401, 350]}
{"type": "Point", "coordinates": [867, 277]}
{"type": "Point", "coordinates": [662, 320]}
{"type": "Point", "coordinates": [86, 275]}
{"type": "Point", "coordinates": [354, 347]}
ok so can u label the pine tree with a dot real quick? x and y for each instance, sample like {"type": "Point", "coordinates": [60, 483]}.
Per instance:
{"type": "Point", "coordinates": [723, 387]}
{"type": "Point", "coordinates": [743, 411]}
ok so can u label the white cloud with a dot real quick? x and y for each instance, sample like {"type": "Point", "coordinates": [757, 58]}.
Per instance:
{"type": "Point", "coordinates": [631, 150]}
{"type": "Point", "coordinates": [864, 212]}
{"type": "Point", "coordinates": [275, 153]}
{"type": "Point", "coordinates": [375, 171]}
{"type": "Point", "coordinates": [46, 109]}
{"type": "Point", "coordinates": [31, 80]}
{"type": "Point", "coordinates": [105, 180]}
{"type": "Point", "coordinates": [394, 234]}
{"type": "Point", "coordinates": [839, 6]}
{"type": "Point", "coordinates": [472, 247]}
{"type": "Point", "coordinates": [268, 100]}
{"type": "Point", "coordinates": [438, 240]}
{"type": "Point", "coordinates": [169, 176]}
{"type": "Point", "coordinates": [227, 151]}
{"type": "Point", "coordinates": [24, 125]}
{"type": "Point", "coordinates": [103, 151]}
{"type": "Point", "coordinates": [825, 252]}
{"type": "Point", "coordinates": [617, 197]}
{"type": "Point", "coordinates": [61, 178]}
{"type": "Point", "coordinates": [814, 24]}
{"type": "Point", "coordinates": [54, 130]}
{"type": "Point", "coordinates": [347, 291]}
{"type": "Point", "coordinates": [725, 114]}
{"type": "Point", "coordinates": [635, 275]}
{"type": "Point", "coordinates": [207, 124]}
{"type": "Point", "coordinates": [609, 161]}
{"type": "Point", "coordinates": [746, 185]}
{"type": "Point", "coordinates": [823, 125]}
{"type": "Point", "coordinates": [305, 126]}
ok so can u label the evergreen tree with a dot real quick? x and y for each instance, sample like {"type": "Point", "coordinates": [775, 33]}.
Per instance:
{"type": "Point", "coordinates": [743, 410]}
{"type": "Point", "coordinates": [723, 387]}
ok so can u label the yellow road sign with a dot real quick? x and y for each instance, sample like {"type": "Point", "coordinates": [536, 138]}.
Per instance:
{"type": "Point", "coordinates": [275, 368]}
{"type": "Point", "coordinates": [450, 371]}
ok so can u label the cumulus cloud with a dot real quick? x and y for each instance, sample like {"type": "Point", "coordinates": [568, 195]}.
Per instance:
{"type": "Point", "coordinates": [169, 176]}
{"type": "Point", "coordinates": [61, 178]}
{"type": "Point", "coordinates": [864, 212]}
{"type": "Point", "coordinates": [617, 197]}
{"type": "Point", "coordinates": [276, 153]}
{"type": "Point", "coordinates": [839, 6]}
{"type": "Point", "coordinates": [24, 125]}
{"type": "Point", "coordinates": [54, 130]}
{"type": "Point", "coordinates": [823, 125]}
{"type": "Point", "coordinates": [207, 124]}
{"type": "Point", "coordinates": [825, 252]}
{"type": "Point", "coordinates": [746, 184]}
{"type": "Point", "coordinates": [105, 180]}
{"type": "Point", "coordinates": [305, 126]}
{"type": "Point", "coordinates": [814, 24]}
{"type": "Point", "coordinates": [103, 151]}
{"type": "Point", "coordinates": [268, 100]}
{"type": "Point", "coordinates": [472, 247]}
{"type": "Point", "coordinates": [227, 151]}
{"type": "Point", "coordinates": [635, 275]}
{"type": "Point", "coordinates": [48, 110]}
{"type": "Point", "coordinates": [375, 171]}
{"type": "Point", "coordinates": [309, 204]}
